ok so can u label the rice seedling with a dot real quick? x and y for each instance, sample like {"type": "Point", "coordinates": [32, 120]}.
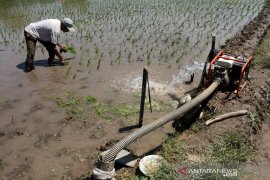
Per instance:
{"type": "Point", "coordinates": [71, 49]}
{"type": "Point", "coordinates": [90, 99]}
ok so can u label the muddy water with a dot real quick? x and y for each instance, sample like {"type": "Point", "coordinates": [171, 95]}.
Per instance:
{"type": "Point", "coordinates": [113, 42]}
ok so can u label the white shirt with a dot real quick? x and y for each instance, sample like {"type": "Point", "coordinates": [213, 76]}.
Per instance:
{"type": "Point", "coordinates": [45, 30]}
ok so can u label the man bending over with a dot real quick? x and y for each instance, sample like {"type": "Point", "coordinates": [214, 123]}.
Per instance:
{"type": "Point", "coordinates": [47, 32]}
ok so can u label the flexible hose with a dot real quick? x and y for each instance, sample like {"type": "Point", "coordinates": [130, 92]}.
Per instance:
{"type": "Point", "coordinates": [112, 153]}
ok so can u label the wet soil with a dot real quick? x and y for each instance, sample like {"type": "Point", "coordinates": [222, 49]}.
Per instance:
{"type": "Point", "coordinates": [37, 139]}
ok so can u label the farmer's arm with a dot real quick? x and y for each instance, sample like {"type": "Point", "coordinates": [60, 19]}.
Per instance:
{"type": "Point", "coordinates": [55, 41]}
{"type": "Point", "coordinates": [57, 53]}
{"type": "Point", "coordinates": [61, 46]}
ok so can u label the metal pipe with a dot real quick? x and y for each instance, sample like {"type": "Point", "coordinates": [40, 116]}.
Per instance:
{"type": "Point", "coordinates": [149, 94]}
{"type": "Point", "coordinates": [144, 81]}
{"type": "Point", "coordinates": [213, 41]}
{"type": "Point", "coordinates": [112, 153]}
{"type": "Point", "coordinates": [211, 54]}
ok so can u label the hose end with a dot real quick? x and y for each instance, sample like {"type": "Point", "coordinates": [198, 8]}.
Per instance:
{"type": "Point", "coordinates": [104, 170]}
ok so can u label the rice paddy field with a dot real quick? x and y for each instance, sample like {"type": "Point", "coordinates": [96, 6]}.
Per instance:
{"type": "Point", "coordinates": [117, 32]}
{"type": "Point", "coordinates": [113, 41]}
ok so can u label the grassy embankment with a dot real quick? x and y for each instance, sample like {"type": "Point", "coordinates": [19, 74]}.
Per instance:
{"type": "Point", "coordinates": [262, 54]}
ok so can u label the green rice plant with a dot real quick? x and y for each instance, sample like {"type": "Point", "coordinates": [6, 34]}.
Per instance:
{"type": "Point", "coordinates": [129, 55]}
{"type": "Point", "coordinates": [99, 63]}
{"type": "Point", "coordinates": [178, 60]}
{"type": "Point", "coordinates": [140, 23]}
{"type": "Point", "coordinates": [97, 50]}
{"type": "Point", "coordinates": [73, 105]}
{"type": "Point", "coordinates": [125, 111]}
{"type": "Point", "coordinates": [102, 111]}
{"type": "Point", "coordinates": [90, 99]}
{"type": "Point", "coordinates": [74, 75]}
{"type": "Point", "coordinates": [148, 55]}
{"type": "Point", "coordinates": [186, 42]}
{"type": "Point", "coordinates": [59, 102]}
{"type": "Point", "coordinates": [89, 62]}
{"type": "Point", "coordinates": [71, 49]}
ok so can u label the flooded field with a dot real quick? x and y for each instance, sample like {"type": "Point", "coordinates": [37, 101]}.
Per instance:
{"type": "Point", "coordinates": [54, 120]}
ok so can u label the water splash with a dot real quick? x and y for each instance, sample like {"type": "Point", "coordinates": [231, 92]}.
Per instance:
{"type": "Point", "coordinates": [132, 82]}
{"type": "Point", "coordinates": [184, 75]}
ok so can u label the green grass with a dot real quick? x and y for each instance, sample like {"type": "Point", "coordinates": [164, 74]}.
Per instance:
{"type": "Point", "coordinates": [134, 177]}
{"type": "Point", "coordinates": [80, 108]}
{"type": "Point", "coordinates": [166, 172]}
{"type": "Point", "coordinates": [224, 151]}
{"type": "Point", "coordinates": [197, 126]}
{"type": "Point", "coordinates": [170, 172]}
{"type": "Point", "coordinates": [262, 53]}
{"type": "Point", "coordinates": [266, 2]}
{"type": "Point", "coordinates": [173, 151]}
{"type": "Point", "coordinates": [125, 111]}
{"type": "Point", "coordinates": [255, 122]}
{"type": "Point", "coordinates": [231, 148]}
{"type": "Point", "coordinates": [158, 105]}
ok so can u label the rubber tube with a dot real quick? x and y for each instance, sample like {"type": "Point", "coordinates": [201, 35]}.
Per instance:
{"type": "Point", "coordinates": [112, 153]}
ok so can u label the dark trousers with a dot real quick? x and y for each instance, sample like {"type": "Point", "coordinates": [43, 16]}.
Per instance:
{"type": "Point", "coordinates": [31, 49]}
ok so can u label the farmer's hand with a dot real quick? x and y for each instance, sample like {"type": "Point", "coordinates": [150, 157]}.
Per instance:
{"type": "Point", "coordinates": [63, 46]}
{"type": "Point", "coordinates": [63, 62]}
{"type": "Point", "coordinates": [63, 50]}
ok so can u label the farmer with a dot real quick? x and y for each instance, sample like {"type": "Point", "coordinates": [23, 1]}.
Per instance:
{"type": "Point", "coordinates": [47, 32]}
